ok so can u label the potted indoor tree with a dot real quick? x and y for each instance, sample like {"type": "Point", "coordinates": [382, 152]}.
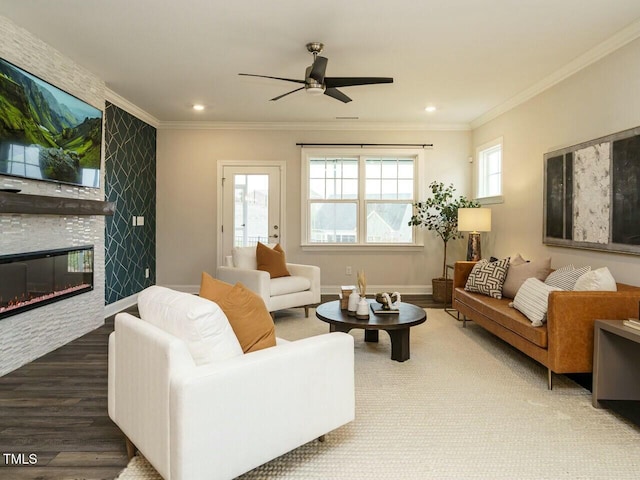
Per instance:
{"type": "Point", "coordinates": [439, 213]}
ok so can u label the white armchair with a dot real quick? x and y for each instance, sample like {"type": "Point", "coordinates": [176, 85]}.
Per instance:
{"type": "Point", "coordinates": [219, 420]}
{"type": "Point", "coordinates": [301, 289]}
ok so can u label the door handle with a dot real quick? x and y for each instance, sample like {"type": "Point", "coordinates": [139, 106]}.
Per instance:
{"type": "Point", "coordinates": [275, 235]}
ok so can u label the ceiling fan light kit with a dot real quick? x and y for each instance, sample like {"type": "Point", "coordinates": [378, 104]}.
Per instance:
{"type": "Point", "coordinates": [315, 83]}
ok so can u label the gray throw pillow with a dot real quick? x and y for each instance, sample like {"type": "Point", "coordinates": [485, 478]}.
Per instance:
{"type": "Point", "coordinates": [520, 271]}
{"type": "Point", "coordinates": [565, 278]}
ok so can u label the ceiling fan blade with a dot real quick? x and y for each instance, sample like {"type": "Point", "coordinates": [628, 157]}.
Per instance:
{"type": "Point", "coordinates": [275, 78]}
{"type": "Point", "coordinates": [331, 82]}
{"type": "Point", "coordinates": [337, 94]}
{"type": "Point", "coordinates": [285, 94]}
{"type": "Point", "coordinates": [318, 68]}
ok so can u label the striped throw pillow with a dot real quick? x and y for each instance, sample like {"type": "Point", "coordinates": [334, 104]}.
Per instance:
{"type": "Point", "coordinates": [532, 300]}
{"type": "Point", "coordinates": [487, 277]}
{"type": "Point", "coordinates": [565, 278]}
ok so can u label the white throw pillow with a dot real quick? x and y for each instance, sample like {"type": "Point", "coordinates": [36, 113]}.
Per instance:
{"type": "Point", "coordinates": [200, 323]}
{"type": "Point", "coordinates": [532, 300]}
{"type": "Point", "coordinates": [600, 280]}
{"type": "Point", "coordinates": [245, 257]}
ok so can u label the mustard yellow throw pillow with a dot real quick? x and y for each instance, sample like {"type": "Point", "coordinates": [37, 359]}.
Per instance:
{"type": "Point", "coordinates": [272, 260]}
{"type": "Point", "coordinates": [247, 313]}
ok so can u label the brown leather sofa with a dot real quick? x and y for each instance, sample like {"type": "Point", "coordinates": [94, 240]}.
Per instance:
{"type": "Point", "coordinates": [565, 343]}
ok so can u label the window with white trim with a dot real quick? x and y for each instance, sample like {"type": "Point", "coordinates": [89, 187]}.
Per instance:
{"type": "Point", "coordinates": [363, 198]}
{"type": "Point", "coordinates": [488, 171]}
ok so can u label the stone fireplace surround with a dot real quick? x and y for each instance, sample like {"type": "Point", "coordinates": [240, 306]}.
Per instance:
{"type": "Point", "coordinates": [29, 335]}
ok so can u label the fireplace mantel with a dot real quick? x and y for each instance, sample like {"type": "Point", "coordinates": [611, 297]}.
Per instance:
{"type": "Point", "coordinates": [46, 205]}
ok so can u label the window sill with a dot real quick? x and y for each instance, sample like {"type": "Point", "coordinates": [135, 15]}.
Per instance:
{"type": "Point", "coordinates": [359, 247]}
{"type": "Point", "coordinates": [490, 200]}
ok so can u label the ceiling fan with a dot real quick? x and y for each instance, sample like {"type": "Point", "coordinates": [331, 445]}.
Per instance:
{"type": "Point", "coordinates": [315, 83]}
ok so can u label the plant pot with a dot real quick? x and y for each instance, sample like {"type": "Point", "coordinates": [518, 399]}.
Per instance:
{"type": "Point", "coordinates": [442, 290]}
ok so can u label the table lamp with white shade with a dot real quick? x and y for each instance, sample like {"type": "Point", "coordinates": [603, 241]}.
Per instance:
{"type": "Point", "coordinates": [474, 221]}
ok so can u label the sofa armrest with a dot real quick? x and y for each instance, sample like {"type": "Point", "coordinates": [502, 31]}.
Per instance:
{"type": "Point", "coordinates": [461, 271]}
{"type": "Point", "coordinates": [311, 272]}
{"type": "Point", "coordinates": [570, 319]}
{"type": "Point", "coordinates": [255, 280]}
{"type": "Point", "coordinates": [231, 417]}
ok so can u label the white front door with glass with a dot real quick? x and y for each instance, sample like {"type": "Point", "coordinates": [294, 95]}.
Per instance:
{"type": "Point", "coordinates": [251, 204]}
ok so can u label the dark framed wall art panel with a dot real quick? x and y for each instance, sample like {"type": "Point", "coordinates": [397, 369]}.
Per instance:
{"type": "Point", "coordinates": [592, 194]}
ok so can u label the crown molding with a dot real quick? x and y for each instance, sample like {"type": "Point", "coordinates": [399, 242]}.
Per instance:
{"type": "Point", "coordinates": [605, 48]}
{"type": "Point", "coordinates": [129, 107]}
{"type": "Point", "coordinates": [312, 126]}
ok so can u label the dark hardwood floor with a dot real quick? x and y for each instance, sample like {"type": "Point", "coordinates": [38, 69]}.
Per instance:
{"type": "Point", "coordinates": [53, 415]}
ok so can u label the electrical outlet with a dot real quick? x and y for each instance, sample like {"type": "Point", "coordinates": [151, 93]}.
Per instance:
{"type": "Point", "coordinates": [140, 221]}
{"type": "Point", "coordinates": [348, 271]}
{"type": "Point", "coordinates": [146, 273]}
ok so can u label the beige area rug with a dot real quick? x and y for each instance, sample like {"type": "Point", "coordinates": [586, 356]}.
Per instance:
{"type": "Point", "coordinates": [464, 406]}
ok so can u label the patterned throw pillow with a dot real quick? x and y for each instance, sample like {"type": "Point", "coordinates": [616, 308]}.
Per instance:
{"type": "Point", "coordinates": [487, 277]}
{"type": "Point", "coordinates": [565, 278]}
{"type": "Point", "coordinates": [532, 300]}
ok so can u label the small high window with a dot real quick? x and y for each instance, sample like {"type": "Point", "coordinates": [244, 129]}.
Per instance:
{"type": "Point", "coordinates": [488, 172]}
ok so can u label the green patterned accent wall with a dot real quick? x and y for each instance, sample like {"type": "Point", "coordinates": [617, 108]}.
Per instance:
{"type": "Point", "coordinates": [130, 182]}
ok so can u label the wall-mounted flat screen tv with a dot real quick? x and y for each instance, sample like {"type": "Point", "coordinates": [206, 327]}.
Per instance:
{"type": "Point", "coordinates": [45, 133]}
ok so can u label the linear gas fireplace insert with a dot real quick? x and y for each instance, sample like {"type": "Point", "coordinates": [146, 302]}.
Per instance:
{"type": "Point", "coordinates": [31, 280]}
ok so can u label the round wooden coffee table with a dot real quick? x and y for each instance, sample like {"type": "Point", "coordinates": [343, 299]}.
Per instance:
{"type": "Point", "coordinates": [396, 325]}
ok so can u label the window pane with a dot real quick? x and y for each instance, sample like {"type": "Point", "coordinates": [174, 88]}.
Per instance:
{"type": "Point", "coordinates": [373, 189]}
{"type": "Point", "coordinates": [405, 169]}
{"type": "Point", "coordinates": [316, 188]}
{"type": "Point", "coordinates": [389, 189]}
{"type": "Point", "coordinates": [405, 189]}
{"type": "Point", "coordinates": [490, 171]}
{"type": "Point", "coordinates": [389, 169]}
{"type": "Point", "coordinates": [388, 223]}
{"type": "Point", "coordinates": [316, 169]}
{"type": "Point", "coordinates": [333, 222]}
{"type": "Point", "coordinates": [350, 169]}
{"type": "Point", "coordinates": [330, 189]}
{"type": "Point", "coordinates": [349, 189]}
{"type": "Point", "coordinates": [372, 169]}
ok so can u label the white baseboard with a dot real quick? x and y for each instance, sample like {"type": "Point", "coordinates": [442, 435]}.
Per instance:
{"type": "Point", "coordinates": [120, 305]}
{"type": "Point", "coordinates": [403, 289]}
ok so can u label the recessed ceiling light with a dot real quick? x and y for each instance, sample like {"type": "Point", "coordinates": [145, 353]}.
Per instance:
{"type": "Point", "coordinates": [198, 107]}
{"type": "Point", "coordinates": [430, 109]}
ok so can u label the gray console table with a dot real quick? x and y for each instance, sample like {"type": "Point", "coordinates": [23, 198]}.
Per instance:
{"type": "Point", "coordinates": [616, 362]}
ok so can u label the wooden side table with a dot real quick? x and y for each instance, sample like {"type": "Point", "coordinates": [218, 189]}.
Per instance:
{"type": "Point", "coordinates": [616, 362]}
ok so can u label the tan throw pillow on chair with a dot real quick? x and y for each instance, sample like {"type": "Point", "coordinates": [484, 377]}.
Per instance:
{"type": "Point", "coordinates": [272, 260]}
{"type": "Point", "coordinates": [245, 310]}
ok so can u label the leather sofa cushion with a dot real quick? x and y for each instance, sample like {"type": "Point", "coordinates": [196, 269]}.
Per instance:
{"type": "Point", "coordinates": [286, 285]}
{"type": "Point", "coordinates": [500, 312]}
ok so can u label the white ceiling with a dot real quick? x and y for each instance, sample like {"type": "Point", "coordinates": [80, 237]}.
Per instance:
{"type": "Point", "coordinates": [467, 57]}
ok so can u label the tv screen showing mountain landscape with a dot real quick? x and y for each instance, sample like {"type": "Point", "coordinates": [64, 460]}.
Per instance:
{"type": "Point", "coordinates": [45, 133]}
